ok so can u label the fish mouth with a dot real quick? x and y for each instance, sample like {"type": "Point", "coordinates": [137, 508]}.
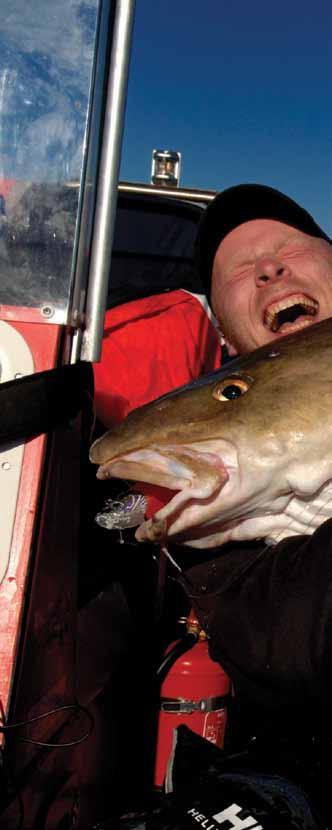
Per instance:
{"type": "Point", "coordinates": [197, 473]}
{"type": "Point", "coordinates": [290, 313]}
{"type": "Point", "coordinates": [172, 467]}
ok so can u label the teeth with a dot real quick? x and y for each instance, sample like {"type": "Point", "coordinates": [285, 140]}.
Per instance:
{"type": "Point", "coordinates": [271, 313]}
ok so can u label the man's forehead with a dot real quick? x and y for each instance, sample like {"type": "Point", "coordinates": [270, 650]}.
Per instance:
{"type": "Point", "coordinates": [255, 235]}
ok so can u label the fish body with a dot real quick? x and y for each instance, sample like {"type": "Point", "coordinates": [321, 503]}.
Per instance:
{"type": "Point", "coordinates": [247, 450]}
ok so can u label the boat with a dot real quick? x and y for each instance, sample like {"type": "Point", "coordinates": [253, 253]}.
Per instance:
{"type": "Point", "coordinates": [74, 242]}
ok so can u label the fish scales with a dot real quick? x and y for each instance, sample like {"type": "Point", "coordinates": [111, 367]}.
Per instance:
{"type": "Point", "coordinates": [247, 450]}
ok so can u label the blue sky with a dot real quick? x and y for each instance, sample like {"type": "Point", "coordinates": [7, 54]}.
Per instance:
{"type": "Point", "coordinates": [243, 90]}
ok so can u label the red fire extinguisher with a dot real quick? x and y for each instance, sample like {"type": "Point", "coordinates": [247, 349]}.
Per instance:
{"type": "Point", "coordinates": [194, 692]}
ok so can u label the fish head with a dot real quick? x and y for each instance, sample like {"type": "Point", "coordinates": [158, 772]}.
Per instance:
{"type": "Point", "coordinates": [236, 446]}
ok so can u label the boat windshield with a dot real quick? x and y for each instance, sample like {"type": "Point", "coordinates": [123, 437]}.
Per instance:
{"type": "Point", "coordinates": [47, 71]}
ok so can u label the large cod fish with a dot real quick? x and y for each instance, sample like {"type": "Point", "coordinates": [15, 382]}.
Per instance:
{"type": "Point", "coordinates": [248, 449]}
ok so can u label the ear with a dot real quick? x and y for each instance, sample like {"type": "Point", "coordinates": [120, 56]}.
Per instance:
{"type": "Point", "coordinates": [232, 351]}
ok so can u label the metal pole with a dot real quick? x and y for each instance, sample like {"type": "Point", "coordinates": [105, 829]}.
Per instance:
{"type": "Point", "coordinates": [108, 181]}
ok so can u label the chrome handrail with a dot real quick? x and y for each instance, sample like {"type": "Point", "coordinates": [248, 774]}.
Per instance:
{"type": "Point", "coordinates": [105, 211]}
{"type": "Point", "coordinates": [180, 193]}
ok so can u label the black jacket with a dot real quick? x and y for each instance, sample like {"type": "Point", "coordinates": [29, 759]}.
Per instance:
{"type": "Point", "coordinates": [268, 613]}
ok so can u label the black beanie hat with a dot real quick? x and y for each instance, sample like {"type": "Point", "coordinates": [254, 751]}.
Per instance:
{"type": "Point", "coordinates": [240, 204]}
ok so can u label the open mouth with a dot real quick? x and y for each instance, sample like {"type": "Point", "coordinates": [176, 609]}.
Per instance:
{"type": "Point", "coordinates": [299, 308]}
{"type": "Point", "coordinates": [176, 468]}
{"type": "Point", "coordinates": [196, 472]}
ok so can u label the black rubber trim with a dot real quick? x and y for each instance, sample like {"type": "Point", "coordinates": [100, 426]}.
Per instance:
{"type": "Point", "coordinates": [38, 403]}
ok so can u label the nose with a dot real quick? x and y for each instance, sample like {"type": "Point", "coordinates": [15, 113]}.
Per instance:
{"type": "Point", "coordinates": [270, 269]}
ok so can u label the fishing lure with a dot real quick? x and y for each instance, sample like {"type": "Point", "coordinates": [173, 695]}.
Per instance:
{"type": "Point", "coordinates": [122, 513]}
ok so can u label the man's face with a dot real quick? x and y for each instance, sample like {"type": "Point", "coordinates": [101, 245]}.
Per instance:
{"type": "Point", "coordinates": [269, 280]}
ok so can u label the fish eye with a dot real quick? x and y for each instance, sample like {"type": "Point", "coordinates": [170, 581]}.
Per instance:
{"type": "Point", "coordinates": [230, 388]}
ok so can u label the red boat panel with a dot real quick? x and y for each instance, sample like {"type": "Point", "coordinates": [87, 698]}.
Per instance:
{"type": "Point", "coordinates": [43, 342]}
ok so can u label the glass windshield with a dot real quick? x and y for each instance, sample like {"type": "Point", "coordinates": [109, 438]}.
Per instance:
{"type": "Point", "coordinates": [47, 56]}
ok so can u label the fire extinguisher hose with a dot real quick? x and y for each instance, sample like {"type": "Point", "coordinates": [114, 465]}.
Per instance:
{"type": "Point", "coordinates": [185, 644]}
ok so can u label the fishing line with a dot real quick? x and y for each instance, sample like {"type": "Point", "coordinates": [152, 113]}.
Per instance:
{"type": "Point", "coordinates": [74, 707]}
{"type": "Point", "coordinates": [7, 727]}
{"type": "Point", "coordinates": [168, 556]}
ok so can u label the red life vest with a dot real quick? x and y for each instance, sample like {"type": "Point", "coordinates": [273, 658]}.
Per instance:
{"type": "Point", "coordinates": [151, 346]}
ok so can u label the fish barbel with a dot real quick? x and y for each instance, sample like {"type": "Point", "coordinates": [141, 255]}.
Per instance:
{"type": "Point", "coordinates": [248, 449]}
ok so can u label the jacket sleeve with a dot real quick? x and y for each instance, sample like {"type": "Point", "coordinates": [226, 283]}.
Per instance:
{"type": "Point", "coordinates": [267, 611]}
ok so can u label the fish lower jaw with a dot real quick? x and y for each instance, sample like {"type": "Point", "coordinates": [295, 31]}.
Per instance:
{"type": "Point", "coordinates": [173, 519]}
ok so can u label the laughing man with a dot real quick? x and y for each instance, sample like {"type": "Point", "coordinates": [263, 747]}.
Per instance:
{"type": "Point", "coordinates": [265, 264]}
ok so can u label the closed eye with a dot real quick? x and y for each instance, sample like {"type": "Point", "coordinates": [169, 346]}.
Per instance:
{"type": "Point", "coordinates": [294, 250]}
{"type": "Point", "coordinates": [241, 270]}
